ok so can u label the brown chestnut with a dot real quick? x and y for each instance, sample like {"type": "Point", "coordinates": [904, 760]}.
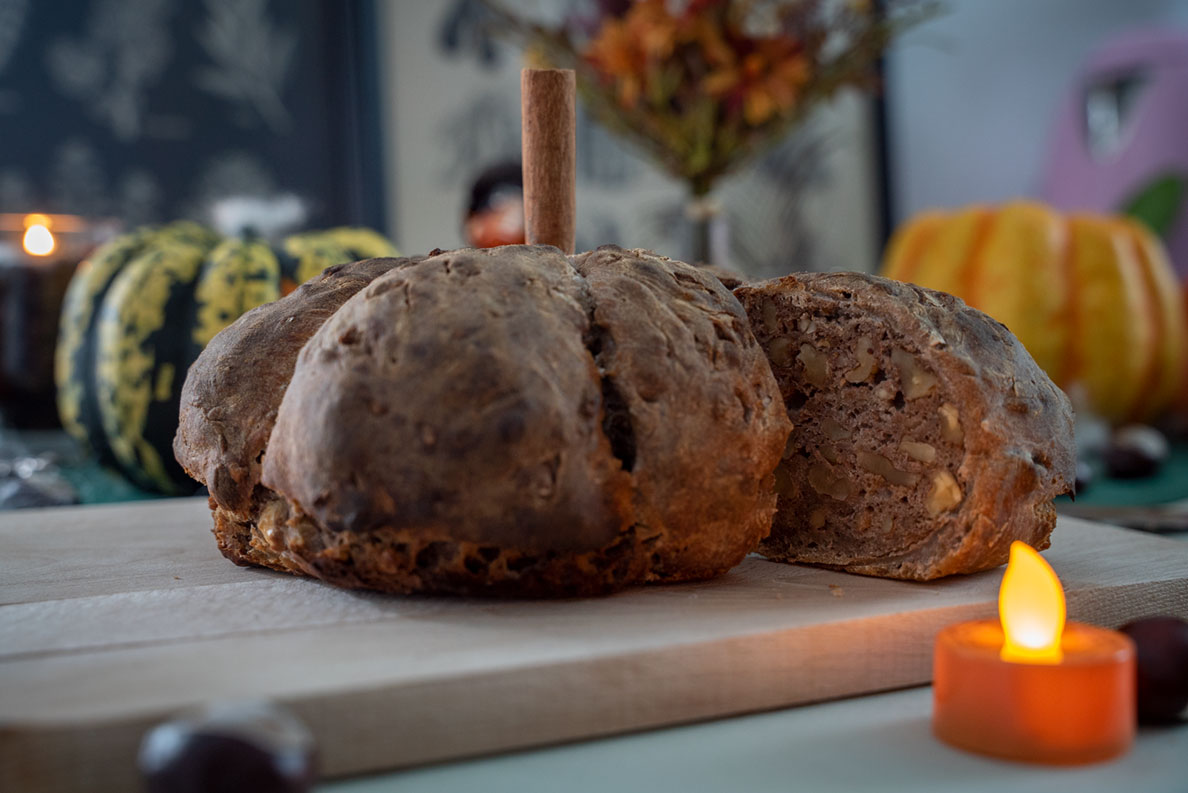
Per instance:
{"type": "Point", "coordinates": [1136, 451]}
{"type": "Point", "coordinates": [1162, 661]}
{"type": "Point", "coordinates": [251, 747]}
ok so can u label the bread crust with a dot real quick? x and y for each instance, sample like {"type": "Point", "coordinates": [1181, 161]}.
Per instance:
{"type": "Point", "coordinates": [686, 366]}
{"type": "Point", "coordinates": [1017, 448]}
{"type": "Point", "coordinates": [502, 421]}
{"type": "Point", "coordinates": [232, 392]}
{"type": "Point", "coordinates": [403, 561]}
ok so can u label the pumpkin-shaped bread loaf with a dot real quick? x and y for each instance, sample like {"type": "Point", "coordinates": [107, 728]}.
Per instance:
{"type": "Point", "coordinates": [926, 438]}
{"type": "Point", "coordinates": [507, 421]}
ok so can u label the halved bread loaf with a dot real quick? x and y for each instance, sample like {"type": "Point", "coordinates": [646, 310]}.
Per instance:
{"type": "Point", "coordinates": [925, 437]}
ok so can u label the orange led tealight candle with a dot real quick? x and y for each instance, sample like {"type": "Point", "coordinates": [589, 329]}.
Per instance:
{"type": "Point", "coordinates": [1029, 687]}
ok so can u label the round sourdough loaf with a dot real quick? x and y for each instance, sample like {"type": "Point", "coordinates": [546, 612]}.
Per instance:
{"type": "Point", "coordinates": [505, 421]}
{"type": "Point", "coordinates": [926, 438]}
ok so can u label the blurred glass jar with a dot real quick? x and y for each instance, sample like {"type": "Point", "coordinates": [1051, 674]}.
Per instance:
{"type": "Point", "coordinates": [38, 255]}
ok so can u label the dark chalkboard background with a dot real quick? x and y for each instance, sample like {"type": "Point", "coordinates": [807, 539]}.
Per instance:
{"type": "Point", "coordinates": [147, 110]}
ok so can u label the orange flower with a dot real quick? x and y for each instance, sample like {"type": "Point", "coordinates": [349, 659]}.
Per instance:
{"type": "Point", "coordinates": [787, 80]}
{"type": "Point", "coordinates": [758, 106]}
{"type": "Point", "coordinates": [707, 33]}
{"type": "Point", "coordinates": [624, 47]}
{"type": "Point", "coordinates": [718, 84]}
{"type": "Point", "coordinates": [630, 88]}
{"type": "Point", "coordinates": [653, 27]}
{"type": "Point", "coordinates": [771, 79]}
{"type": "Point", "coordinates": [701, 85]}
{"type": "Point", "coordinates": [613, 52]}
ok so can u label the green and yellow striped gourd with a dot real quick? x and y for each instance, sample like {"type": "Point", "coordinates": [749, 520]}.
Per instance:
{"type": "Point", "coordinates": [142, 307]}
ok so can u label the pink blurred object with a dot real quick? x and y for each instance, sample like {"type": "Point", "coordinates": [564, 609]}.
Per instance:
{"type": "Point", "coordinates": [1123, 133]}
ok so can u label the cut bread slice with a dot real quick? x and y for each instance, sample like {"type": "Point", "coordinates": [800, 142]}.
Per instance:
{"type": "Point", "coordinates": [925, 437]}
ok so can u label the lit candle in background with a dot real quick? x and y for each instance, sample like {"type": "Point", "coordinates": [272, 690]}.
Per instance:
{"type": "Point", "coordinates": [38, 254]}
{"type": "Point", "coordinates": [38, 239]}
{"type": "Point", "coordinates": [1028, 686]}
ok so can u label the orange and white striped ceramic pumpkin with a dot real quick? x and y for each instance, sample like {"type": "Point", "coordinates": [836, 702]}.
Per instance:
{"type": "Point", "coordinates": [1092, 297]}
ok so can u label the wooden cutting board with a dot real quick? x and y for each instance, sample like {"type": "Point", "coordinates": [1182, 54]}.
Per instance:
{"type": "Point", "coordinates": [113, 618]}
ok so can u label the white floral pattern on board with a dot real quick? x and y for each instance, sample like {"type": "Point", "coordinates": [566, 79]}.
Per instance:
{"type": "Point", "coordinates": [138, 196]}
{"type": "Point", "coordinates": [16, 194]}
{"type": "Point", "coordinates": [109, 70]}
{"type": "Point", "coordinates": [12, 20]}
{"type": "Point", "coordinates": [77, 179]}
{"type": "Point", "coordinates": [250, 61]}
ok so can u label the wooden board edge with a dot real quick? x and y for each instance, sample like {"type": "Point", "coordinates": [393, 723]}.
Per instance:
{"type": "Point", "coordinates": [526, 707]}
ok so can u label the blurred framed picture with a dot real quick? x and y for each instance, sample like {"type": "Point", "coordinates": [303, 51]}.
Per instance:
{"type": "Point", "coordinates": [146, 110]}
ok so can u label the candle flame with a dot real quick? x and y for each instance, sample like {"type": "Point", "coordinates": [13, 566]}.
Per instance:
{"type": "Point", "coordinates": [38, 240]}
{"type": "Point", "coordinates": [1031, 607]}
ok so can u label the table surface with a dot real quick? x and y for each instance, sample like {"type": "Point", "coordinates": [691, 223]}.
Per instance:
{"type": "Point", "coordinates": [875, 743]}
{"type": "Point", "coordinates": [878, 743]}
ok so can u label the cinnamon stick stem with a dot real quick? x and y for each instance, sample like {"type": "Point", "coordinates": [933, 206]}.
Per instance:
{"type": "Point", "coordinates": [549, 144]}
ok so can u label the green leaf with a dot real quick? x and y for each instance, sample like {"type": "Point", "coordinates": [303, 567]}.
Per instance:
{"type": "Point", "coordinates": [1158, 203]}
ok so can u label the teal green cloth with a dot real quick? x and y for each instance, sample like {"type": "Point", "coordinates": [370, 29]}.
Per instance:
{"type": "Point", "coordinates": [1170, 484]}
{"type": "Point", "coordinates": [99, 485]}
{"type": "Point", "coordinates": [94, 483]}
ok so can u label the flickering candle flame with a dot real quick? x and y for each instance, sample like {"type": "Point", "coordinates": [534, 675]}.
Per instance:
{"type": "Point", "coordinates": [38, 240]}
{"type": "Point", "coordinates": [1032, 609]}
